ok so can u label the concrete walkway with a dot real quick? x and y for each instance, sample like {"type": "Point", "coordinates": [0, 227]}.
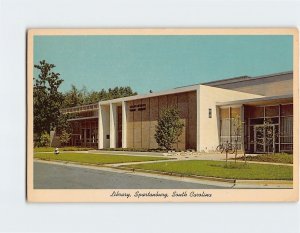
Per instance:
{"type": "Point", "coordinates": [174, 156]}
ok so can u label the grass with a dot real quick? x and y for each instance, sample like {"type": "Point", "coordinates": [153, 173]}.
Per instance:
{"type": "Point", "coordinates": [96, 159]}
{"type": "Point", "coordinates": [68, 148]}
{"type": "Point", "coordinates": [218, 169]}
{"type": "Point", "coordinates": [271, 158]}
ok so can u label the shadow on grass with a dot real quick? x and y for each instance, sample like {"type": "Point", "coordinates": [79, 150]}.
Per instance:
{"type": "Point", "coordinates": [232, 165]}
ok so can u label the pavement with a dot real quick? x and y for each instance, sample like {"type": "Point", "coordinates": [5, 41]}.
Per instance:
{"type": "Point", "coordinates": [63, 175]}
{"type": "Point", "coordinates": [50, 174]}
{"type": "Point", "coordinates": [55, 175]}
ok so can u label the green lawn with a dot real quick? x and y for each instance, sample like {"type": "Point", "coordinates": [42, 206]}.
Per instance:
{"type": "Point", "coordinates": [68, 148]}
{"type": "Point", "coordinates": [95, 158]}
{"type": "Point", "coordinates": [217, 169]}
{"type": "Point", "coordinates": [271, 158]}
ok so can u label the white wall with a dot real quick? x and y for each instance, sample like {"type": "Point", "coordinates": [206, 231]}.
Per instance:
{"type": "Point", "coordinates": [124, 125]}
{"type": "Point", "coordinates": [113, 126]}
{"type": "Point", "coordinates": [208, 128]}
{"type": "Point", "coordinates": [104, 127]}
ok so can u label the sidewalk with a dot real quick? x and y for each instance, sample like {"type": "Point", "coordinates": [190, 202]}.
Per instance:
{"type": "Point", "coordinates": [175, 156]}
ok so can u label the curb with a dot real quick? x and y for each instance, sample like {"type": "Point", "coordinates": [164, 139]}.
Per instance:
{"type": "Point", "coordinates": [233, 181]}
{"type": "Point", "coordinates": [262, 182]}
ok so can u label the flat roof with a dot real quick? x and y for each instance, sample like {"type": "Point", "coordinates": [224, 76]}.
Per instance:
{"type": "Point", "coordinates": [241, 79]}
{"type": "Point", "coordinates": [95, 106]}
{"type": "Point", "coordinates": [260, 100]}
{"type": "Point", "coordinates": [172, 91]}
{"type": "Point", "coordinates": [142, 96]}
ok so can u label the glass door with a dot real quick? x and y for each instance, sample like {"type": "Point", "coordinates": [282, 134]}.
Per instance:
{"type": "Point", "coordinates": [264, 138]}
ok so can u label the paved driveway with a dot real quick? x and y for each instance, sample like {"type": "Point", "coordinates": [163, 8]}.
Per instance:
{"type": "Point", "coordinates": [54, 176]}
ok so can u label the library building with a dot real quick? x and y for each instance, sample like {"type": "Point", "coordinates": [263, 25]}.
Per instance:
{"type": "Point", "coordinates": [209, 111]}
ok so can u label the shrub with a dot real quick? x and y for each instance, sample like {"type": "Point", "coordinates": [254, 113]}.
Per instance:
{"type": "Point", "coordinates": [44, 140]}
{"type": "Point", "coordinates": [169, 128]}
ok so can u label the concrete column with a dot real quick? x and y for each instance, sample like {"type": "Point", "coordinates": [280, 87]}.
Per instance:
{"type": "Point", "coordinates": [100, 129]}
{"type": "Point", "coordinates": [198, 118]}
{"type": "Point", "coordinates": [124, 125]}
{"type": "Point", "coordinates": [104, 126]}
{"type": "Point", "coordinates": [113, 125]}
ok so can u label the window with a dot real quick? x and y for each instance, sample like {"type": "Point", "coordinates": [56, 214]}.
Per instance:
{"type": "Point", "coordinates": [209, 113]}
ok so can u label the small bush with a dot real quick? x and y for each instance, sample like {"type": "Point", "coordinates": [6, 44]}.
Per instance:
{"type": "Point", "coordinates": [44, 140]}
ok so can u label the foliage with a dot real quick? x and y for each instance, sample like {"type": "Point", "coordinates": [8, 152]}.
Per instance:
{"type": "Point", "coordinates": [47, 99]}
{"type": "Point", "coordinates": [62, 124]}
{"type": "Point", "coordinates": [236, 128]}
{"type": "Point", "coordinates": [64, 137]}
{"type": "Point", "coordinates": [249, 171]}
{"type": "Point", "coordinates": [95, 159]}
{"type": "Point", "coordinates": [76, 97]}
{"type": "Point", "coordinates": [43, 140]}
{"type": "Point", "coordinates": [169, 128]}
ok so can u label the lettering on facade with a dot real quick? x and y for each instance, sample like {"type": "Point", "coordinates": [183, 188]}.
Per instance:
{"type": "Point", "coordinates": [137, 107]}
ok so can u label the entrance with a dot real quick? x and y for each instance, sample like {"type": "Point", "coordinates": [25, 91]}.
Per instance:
{"type": "Point", "coordinates": [264, 138]}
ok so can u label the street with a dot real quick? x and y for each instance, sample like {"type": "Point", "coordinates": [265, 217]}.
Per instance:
{"type": "Point", "coordinates": [54, 176]}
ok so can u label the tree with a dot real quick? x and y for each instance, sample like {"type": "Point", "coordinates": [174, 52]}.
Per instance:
{"type": "Point", "coordinates": [73, 98]}
{"type": "Point", "coordinates": [169, 128]}
{"type": "Point", "coordinates": [236, 128]}
{"type": "Point", "coordinates": [64, 137]}
{"type": "Point", "coordinates": [62, 123]}
{"type": "Point", "coordinates": [76, 97]}
{"type": "Point", "coordinates": [47, 99]}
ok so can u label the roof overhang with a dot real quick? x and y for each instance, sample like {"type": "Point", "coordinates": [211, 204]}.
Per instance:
{"type": "Point", "coordinates": [283, 99]}
{"type": "Point", "coordinates": [83, 118]}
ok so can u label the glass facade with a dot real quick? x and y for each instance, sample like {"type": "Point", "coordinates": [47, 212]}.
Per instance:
{"type": "Point", "coordinates": [84, 133]}
{"type": "Point", "coordinates": [266, 128]}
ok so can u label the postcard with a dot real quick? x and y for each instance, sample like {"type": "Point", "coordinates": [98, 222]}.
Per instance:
{"type": "Point", "coordinates": [163, 115]}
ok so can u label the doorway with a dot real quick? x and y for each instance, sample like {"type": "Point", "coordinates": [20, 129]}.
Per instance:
{"type": "Point", "coordinates": [264, 138]}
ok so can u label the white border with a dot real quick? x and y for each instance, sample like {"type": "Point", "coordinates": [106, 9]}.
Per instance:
{"type": "Point", "coordinates": [17, 215]}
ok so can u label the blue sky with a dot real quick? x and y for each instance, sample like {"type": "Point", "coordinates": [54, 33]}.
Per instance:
{"type": "Point", "coordinates": [161, 62]}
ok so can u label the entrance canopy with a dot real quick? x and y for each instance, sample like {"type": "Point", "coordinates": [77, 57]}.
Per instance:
{"type": "Point", "coordinates": [269, 100]}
